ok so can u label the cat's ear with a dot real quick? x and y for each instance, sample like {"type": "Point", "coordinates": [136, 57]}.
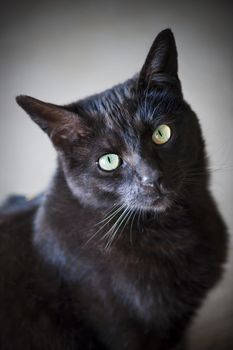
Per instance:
{"type": "Point", "coordinates": [61, 125]}
{"type": "Point", "coordinates": [161, 59]}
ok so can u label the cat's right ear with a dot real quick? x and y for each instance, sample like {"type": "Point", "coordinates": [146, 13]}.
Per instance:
{"type": "Point", "coordinates": [161, 62]}
{"type": "Point", "coordinates": [61, 125]}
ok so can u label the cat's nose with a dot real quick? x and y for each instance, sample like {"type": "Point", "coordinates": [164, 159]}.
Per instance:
{"type": "Point", "coordinates": [147, 176]}
{"type": "Point", "coordinates": [146, 181]}
{"type": "Point", "coordinates": [151, 179]}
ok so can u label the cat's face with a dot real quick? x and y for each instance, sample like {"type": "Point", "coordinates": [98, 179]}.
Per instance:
{"type": "Point", "coordinates": [137, 156]}
{"type": "Point", "coordinates": [132, 145]}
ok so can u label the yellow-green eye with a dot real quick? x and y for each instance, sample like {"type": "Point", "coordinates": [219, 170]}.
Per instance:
{"type": "Point", "coordinates": [109, 162]}
{"type": "Point", "coordinates": [161, 134]}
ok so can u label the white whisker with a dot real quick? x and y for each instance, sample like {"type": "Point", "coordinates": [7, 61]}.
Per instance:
{"type": "Point", "coordinates": [110, 215]}
{"type": "Point", "coordinates": [115, 228]}
{"type": "Point", "coordinates": [131, 227]}
{"type": "Point", "coordinates": [109, 218]}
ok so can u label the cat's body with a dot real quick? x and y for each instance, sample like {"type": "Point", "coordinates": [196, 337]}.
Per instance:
{"type": "Point", "coordinates": [73, 280]}
{"type": "Point", "coordinates": [35, 307]}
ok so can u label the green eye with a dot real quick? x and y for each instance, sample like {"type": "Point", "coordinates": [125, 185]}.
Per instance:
{"type": "Point", "coordinates": [109, 162]}
{"type": "Point", "coordinates": [162, 134]}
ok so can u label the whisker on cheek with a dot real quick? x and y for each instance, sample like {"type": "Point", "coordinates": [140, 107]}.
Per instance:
{"type": "Point", "coordinates": [109, 219]}
{"type": "Point", "coordinates": [114, 229]}
{"type": "Point", "coordinates": [131, 227]}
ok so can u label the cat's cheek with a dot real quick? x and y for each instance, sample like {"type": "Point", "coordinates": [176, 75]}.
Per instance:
{"type": "Point", "coordinates": [86, 189]}
{"type": "Point", "coordinates": [130, 195]}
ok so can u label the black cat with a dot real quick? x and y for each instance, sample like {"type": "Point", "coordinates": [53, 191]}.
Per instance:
{"type": "Point", "coordinates": [122, 248]}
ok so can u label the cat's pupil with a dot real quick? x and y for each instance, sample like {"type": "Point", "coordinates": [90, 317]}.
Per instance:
{"type": "Point", "coordinates": [109, 159]}
{"type": "Point", "coordinates": [160, 133]}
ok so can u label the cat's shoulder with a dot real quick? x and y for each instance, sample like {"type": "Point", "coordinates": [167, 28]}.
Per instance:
{"type": "Point", "coordinates": [32, 296]}
{"type": "Point", "coordinates": [16, 221]}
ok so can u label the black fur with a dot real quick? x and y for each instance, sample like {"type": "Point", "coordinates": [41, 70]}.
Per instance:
{"type": "Point", "coordinates": [70, 281]}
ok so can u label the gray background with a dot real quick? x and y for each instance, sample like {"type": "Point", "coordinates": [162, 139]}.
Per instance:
{"type": "Point", "coordinates": [60, 51]}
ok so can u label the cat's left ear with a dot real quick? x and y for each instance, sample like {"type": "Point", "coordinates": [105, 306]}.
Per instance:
{"type": "Point", "coordinates": [161, 59]}
{"type": "Point", "coordinates": [61, 125]}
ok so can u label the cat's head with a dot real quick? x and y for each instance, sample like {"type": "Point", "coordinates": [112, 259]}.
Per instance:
{"type": "Point", "coordinates": [135, 144]}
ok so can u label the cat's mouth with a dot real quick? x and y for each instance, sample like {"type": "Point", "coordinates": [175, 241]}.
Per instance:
{"type": "Point", "coordinates": [158, 200]}
{"type": "Point", "coordinates": [158, 203]}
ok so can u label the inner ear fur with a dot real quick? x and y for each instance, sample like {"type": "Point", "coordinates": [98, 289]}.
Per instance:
{"type": "Point", "coordinates": [161, 66]}
{"type": "Point", "coordinates": [59, 124]}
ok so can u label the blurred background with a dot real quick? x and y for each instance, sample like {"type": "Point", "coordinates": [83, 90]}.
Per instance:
{"type": "Point", "coordinates": [60, 51]}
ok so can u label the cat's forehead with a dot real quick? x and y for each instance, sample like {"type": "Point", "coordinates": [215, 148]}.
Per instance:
{"type": "Point", "coordinates": [123, 105]}
{"type": "Point", "coordinates": [112, 102]}
{"type": "Point", "coordinates": [123, 112]}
